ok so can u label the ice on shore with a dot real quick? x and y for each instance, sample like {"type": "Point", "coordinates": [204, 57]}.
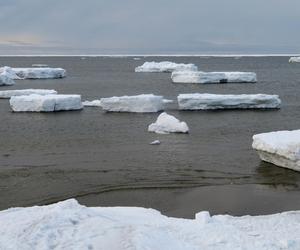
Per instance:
{"type": "Point", "coordinates": [139, 103]}
{"type": "Point", "coordinates": [213, 77]}
{"type": "Point", "coordinates": [166, 124]}
{"type": "Point", "coordinates": [199, 101]}
{"type": "Point", "coordinates": [165, 67]}
{"type": "Point", "coordinates": [45, 103]}
{"type": "Point", "coordinates": [94, 103]}
{"type": "Point", "coordinates": [69, 225]}
{"type": "Point", "coordinates": [35, 73]}
{"type": "Point", "coordinates": [18, 92]}
{"type": "Point", "coordinates": [294, 59]}
{"type": "Point", "coordinates": [281, 148]}
{"type": "Point", "coordinates": [7, 76]}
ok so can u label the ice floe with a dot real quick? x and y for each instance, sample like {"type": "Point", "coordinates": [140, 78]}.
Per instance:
{"type": "Point", "coordinates": [69, 225]}
{"type": "Point", "coordinates": [281, 148]}
{"type": "Point", "coordinates": [94, 103]}
{"type": "Point", "coordinates": [156, 142]}
{"type": "Point", "coordinates": [39, 65]}
{"type": "Point", "coordinates": [165, 67]}
{"type": "Point", "coordinates": [294, 59]}
{"type": "Point", "coordinates": [139, 103]}
{"type": "Point", "coordinates": [213, 77]}
{"type": "Point", "coordinates": [45, 103]}
{"type": "Point", "coordinates": [199, 101]}
{"type": "Point", "coordinates": [7, 76]}
{"type": "Point", "coordinates": [18, 92]}
{"type": "Point", "coordinates": [166, 124]}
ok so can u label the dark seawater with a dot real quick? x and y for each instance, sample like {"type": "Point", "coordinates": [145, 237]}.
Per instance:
{"type": "Point", "coordinates": [104, 159]}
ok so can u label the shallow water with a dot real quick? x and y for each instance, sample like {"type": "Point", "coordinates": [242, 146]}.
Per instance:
{"type": "Point", "coordinates": [105, 158]}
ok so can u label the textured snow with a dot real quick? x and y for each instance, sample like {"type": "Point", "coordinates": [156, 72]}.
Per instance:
{"type": "Point", "coordinates": [35, 73]}
{"type": "Point", "coordinates": [213, 77]}
{"type": "Point", "coordinates": [166, 124]}
{"type": "Point", "coordinates": [165, 67]}
{"type": "Point", "coordinates": [69, 225]}
{"type": "Point", "coordinates": [94, 103]}
{"type": "Point", "coordinates": [213, 101]}
{"type": "Point", "coordinates": [281, 148]}
{"type": "Point", "coordinates": [45, 103]}
{"type": "Point", "coordinates": [295, 59]}
{"type": "Point", "coordinates": [138, 103]}
{"type": "Point", "coordinates": [18, 92]}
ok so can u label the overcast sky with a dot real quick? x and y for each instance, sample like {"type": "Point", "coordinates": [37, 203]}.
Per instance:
{"type": "Point", "coordinates": [149, 26]}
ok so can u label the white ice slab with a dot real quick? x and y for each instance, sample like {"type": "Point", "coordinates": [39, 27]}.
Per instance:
{"type": "Point", "coordinates": [6, 76]}
{"type": "Point", "coordinates": [94, 103]}
{"type": "Point", "coordinates": [294, 59]}
{"type": "Point", "coordinates": [166, 124]}
{"type": "Point", "coordinates": [140, 103]}
{"type": "Point", "coordinates": [69, 225]}
{"type": "Point", "coordinates": [165, 67]}
{"type": "Point", "coordinates": [281, 148]}
{"type": "Point", "coordinates": [213, 77]}
{"type": "Point", "coordinates": [39, 65]}
{"type": "Point", "coordinates": [18, 92]}
{"type": "Point", "coordinates": [46, 103]}
{"type": "Point", "coordinates": [212, 101]}
{"type": "Point", "coordinates": [35, 73]}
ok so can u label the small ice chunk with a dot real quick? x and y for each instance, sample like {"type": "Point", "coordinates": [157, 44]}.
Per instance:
{"type": "Point", "coordinates": [156, 142]}
{"type": "Point", "coordinates": [35, 73]}
{"type": "Point", "coordinates": [294, 59]}
{"type": "Point", "coordinates": [203, 217]}
{"type": "Point", "coordinates": [39, 65]}
{"type": "Point", "coordinates": [94, 103]}
{"type": "Point", "coordinates": [281, 148]}
{"type": "Point", "coordinates": [139, 103]}
{"type": "Point", "coordinates": [45, 103]}
{"type": "Point", "coordinates": [165, 67]}
{"type": "Point", "coordinates": [213, 101]}
{"type": "Point", "coordinates": [213, 77]}
{"type": "Point", "coordinates": [18, 92]}
{"type": "Point", "coordinates": [166, 124]}
{"type": "Point", "coordinates": [136, 58]}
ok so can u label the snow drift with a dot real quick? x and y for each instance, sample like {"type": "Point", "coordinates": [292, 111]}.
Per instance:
{"type": "Point", "coordinates": [18, 92]}
{"type": "Point", "coordinates": [165, 67]}
{"type": "Point", "coordinates": [213, 101]}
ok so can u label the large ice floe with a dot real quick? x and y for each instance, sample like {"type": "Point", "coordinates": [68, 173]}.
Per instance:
{"type": "Point", "coordinates": [35, 73]}
{"type": "Point", "coordinates": [199, 101]}
{"type": "Point", "coordinates": [69, 225]}
{"type": "Point", "coordinates": [18, 92]}
{"type": "Point", "coordinates": [6, 77]}
{"type": "Point", "coordinates": [281, 148]}
{"type": "Point", "coordinates": [165, 67]}
{"type": "Point", "coordinates": [139, 103]}
{"type": "Point", "coordinates": [166, 124]}
{"type": "Point", "coordinates": [213, 77]}
{"type": "Point", "coordinates": [294, 59]}
{"type": "Point", "coordinates": [45, 103]}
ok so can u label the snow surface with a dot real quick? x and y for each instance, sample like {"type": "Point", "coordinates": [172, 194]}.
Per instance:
{"type": "Point", "coordinates": [294, 59]}
{"type": "Point", "coordinates": [69, 225]}
{"type": "Point", "coordinates": [45, 103]}
{"type": "Point", "coordinates": [35, 73]}
{"type": "Point", "coordinates": [94, 103]}
{"type": "Point", "coordinates": [18, 92]}
{"type": "Point", "coordinates": [138, 103]}
{"type": "Point", "coordinates": [165, 67]}
{"type": "Point", "coordinates": [281, 148]}
{"type": "Point", "coordinates": [166, 124]}
{"type": "Point", "coordinates": [199, 101]}
{"type": "Point", "coordinates": [213, 77]}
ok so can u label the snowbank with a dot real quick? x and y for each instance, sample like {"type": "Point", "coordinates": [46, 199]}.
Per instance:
{"type": "Point", "coordinates": [166, 124]}
{"type": "Point", "coordinates": [94, 103]}
{"type": "Point", "coordinates": [213, 77]}
{"type": "Point", "coordinates": [45, 103]}
{"type": "Point", "coordinates": [165, 67]}
{"type": "Point", "coordinates": [139, 103]}
{"type": "Point", "coordinates": [294, 59]}
{"type": "Point", "coordinates": [35, 73]}
{"type": "Point", "coordinates": [69, 225]}
{"type": "Point", "coordinates": [212, 101]}
{"type": "Point", "coordinates": [281, 148]}
{"type": "Point", "coordinates": [18, 92]}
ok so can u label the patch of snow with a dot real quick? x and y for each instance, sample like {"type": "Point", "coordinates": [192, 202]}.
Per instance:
{"type": "Point", "coordinates": [139, 103]}
{"type": "Point", "coordinates": [94, 103]}
{"type": "Point", "coordinates": [45, 103]}
{"type": "Point", "coordinates": [156, 142]}
{"type": "Point", "coordinates": [281, 148]}
{"type": "Point", "coordinates": [166, 124]}
{"type": "Point", "coordinates": [294, 59]}
{"type": "Point", "coordinates": [213, 101]}
{"type": "Point", "coordinates": [18, 92]}
{"type": "Point", "coordinates": [165, 67]}
{"type": "Point", "coordinates": [69, 225]}
{"type": "Point", "coordinates": [213, 77]}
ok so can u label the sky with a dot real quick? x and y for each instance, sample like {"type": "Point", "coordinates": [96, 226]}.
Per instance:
{"type": "Point", "coordinates": [149, 26]}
